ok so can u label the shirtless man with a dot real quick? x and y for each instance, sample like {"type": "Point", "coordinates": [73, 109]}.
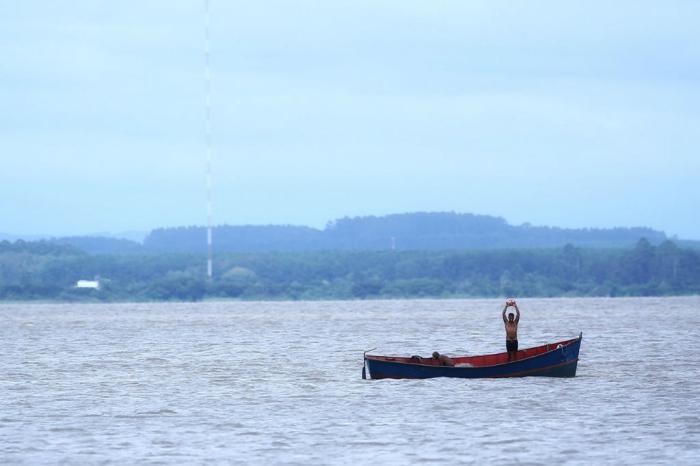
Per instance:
{"type": "Point", "coordinates": [511, 324]}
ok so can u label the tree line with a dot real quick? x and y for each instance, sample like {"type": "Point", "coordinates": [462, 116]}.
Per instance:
{"type": "Point", "coordinates": [48, 271]}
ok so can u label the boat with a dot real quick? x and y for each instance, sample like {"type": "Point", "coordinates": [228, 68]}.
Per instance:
{"type": "Point", "coordinates": [557, 359]}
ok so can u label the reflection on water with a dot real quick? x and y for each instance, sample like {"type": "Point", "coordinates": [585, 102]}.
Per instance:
{"type": "Point", "coordinates": [280, 382]}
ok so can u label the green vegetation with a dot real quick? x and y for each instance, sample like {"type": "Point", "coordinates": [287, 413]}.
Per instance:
{"type": "Point", "coordinates": [49, 271]}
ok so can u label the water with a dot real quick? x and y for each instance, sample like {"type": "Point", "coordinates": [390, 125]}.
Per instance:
{"type": "Point", "coordinates": [280, 383]}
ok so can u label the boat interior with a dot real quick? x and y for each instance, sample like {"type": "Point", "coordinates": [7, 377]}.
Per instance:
{"type": "Point", "coordinates": [477, 361]}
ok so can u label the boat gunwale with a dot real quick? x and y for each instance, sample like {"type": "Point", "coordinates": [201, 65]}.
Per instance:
{"type": "Point", "coordinates": [564, 343]}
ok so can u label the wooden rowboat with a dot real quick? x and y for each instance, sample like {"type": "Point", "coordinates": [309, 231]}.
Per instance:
{"type": "Point", "coordinates": [551, 360]}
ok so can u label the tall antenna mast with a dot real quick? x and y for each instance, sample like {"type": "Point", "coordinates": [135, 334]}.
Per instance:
{"type": "Point", "coordinates": [207, 131]}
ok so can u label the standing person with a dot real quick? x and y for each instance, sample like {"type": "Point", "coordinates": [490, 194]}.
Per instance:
{"type": "Point", "coordinates": [511, 324]}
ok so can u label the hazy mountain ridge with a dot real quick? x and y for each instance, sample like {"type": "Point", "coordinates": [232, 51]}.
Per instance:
{"type": "Point", "coordinates": [100, 244]}
{"type": "Point", "coordinates": [408, 231]}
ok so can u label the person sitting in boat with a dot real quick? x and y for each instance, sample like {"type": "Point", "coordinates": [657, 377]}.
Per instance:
{"type": "Point", "coordinates": [443, 359]}
{"type": "Point", "coordinates": [511, 324]}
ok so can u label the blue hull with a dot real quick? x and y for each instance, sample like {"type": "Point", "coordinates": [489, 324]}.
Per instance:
{"type": "Point", "coordinates": [560, 361]}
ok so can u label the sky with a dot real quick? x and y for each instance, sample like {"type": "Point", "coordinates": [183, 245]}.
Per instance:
{"type": "Point", "coordinates": [572, 114]}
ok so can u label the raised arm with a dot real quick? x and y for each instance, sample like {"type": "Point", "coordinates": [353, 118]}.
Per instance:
{"type": "Point", "coordinates": [517, 313]}
{"type": "Point", "coordinates": [505, 308]}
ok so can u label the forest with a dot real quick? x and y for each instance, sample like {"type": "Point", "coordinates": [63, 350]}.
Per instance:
{"type": "Point", "coordinates": [48, 271]}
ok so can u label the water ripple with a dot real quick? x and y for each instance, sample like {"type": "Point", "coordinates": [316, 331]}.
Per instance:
{"type": "Point", "coordinates": [279, 382]}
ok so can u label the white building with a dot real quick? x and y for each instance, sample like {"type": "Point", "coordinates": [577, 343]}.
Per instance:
{"type": "Point", "coordinates": [93, 284]}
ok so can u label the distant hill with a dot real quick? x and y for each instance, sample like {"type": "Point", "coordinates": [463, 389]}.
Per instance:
{"type": "Point", "coordinates": [410, 231]}
{"type": "Point", "coordinates": [11, 237]}
{"type": "Point", "coordinates": [39, 248]}
{"type": "Point", "coordinates": [247, 238]}
{"type": "Point", "coordinates": [429, 231]}
{"type": "Point", "coordinates": [100, 244]}
{"type": "Point", "coordinates": [688, 243]}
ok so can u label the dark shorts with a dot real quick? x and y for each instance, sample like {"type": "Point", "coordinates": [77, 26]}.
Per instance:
{"type": "Point", "coordinates": [511, 345]}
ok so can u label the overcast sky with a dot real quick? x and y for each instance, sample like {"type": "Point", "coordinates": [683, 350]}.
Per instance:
{"type": "Point", "coordinates": [558, 113]}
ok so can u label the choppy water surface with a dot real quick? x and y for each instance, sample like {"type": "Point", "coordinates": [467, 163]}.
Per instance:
{"type": "Point", "coordinates": [280, 383]}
